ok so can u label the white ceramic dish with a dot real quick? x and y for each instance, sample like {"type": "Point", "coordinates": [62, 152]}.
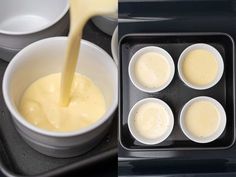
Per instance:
{"type": "Point", "coordinates": [137, 55]}
{"type": "Point", "coordinates": [210, 49]}
{"type": "Point", "coordinates": [42, 58]}
{"type": "Point", "coordinates": [220, 129]}
{"type": "Point", "coordinates": [107, 24]}
{"type": "Point", "coordinates": [24, 22]}
{"type": "Point", "coordinates": [114, 46]}
{"type": "Point", "coordinates": [135, 133]}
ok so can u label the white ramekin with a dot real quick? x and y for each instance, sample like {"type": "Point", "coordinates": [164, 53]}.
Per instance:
{"type": "Point", "coordinates": [137, 55]}
{"type": "Point", "coordinates": [24, 22]}
{"type": "Point", "coordinates": [210, 49]}
{"type": "Point", "coordinates": [220, 129]}
{"type": "Point", "coordinates": [45, 57]}
{"type": "Point", "coordinates": [114, 46]}
{"type": "Point", "coordinates": [106, 24]}
{"type": "Point", "coordinates": [135, 133]}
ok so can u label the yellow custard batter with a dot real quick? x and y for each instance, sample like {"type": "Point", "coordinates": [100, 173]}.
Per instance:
{"type": "Point", "coordinates": [200, 67]}
{"type": "Point", "coordinates": [80, 12]}
{"type": "Point", "coordinates": [68, 101]}
{"type": "Point", "coordinates": [152, 70]}
{"type": "Point", "coordinates": [40, 104]}
{"type": "Point", "coordinates": [202, 118]}
{"type": "Point", "coordinates": [151, 120]}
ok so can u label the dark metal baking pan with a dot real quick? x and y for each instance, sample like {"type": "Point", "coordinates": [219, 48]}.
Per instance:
{"type": "Point", "coordinates": [177, 93]}
{"type": "Point", "coordinates": [18, 159]}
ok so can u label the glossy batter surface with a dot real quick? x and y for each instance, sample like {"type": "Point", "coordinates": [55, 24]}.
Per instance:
{"type": "Point", "coordinates": [200, 67]}
{"type": "Point", "coordinates": [202, 118]}
{"type": "Point", "coordinates": [152, 70]}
